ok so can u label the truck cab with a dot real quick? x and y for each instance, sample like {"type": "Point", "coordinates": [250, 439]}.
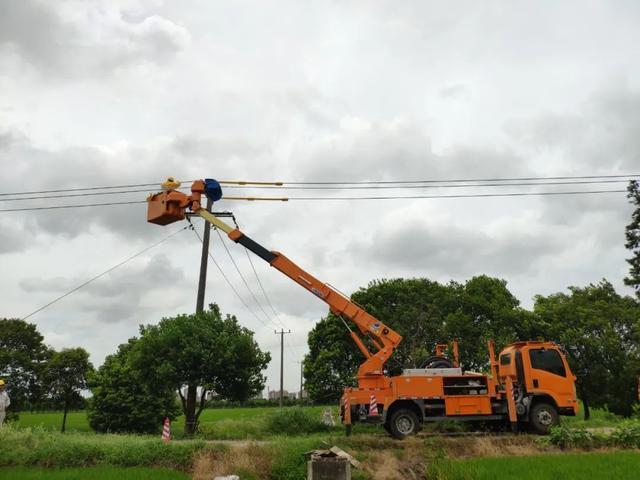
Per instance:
{"type": "Point", "coordinates": [543, 384]}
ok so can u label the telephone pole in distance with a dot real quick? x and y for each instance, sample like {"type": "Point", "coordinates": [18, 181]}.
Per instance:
{"type": "Point", "coordinates": [281, 333]}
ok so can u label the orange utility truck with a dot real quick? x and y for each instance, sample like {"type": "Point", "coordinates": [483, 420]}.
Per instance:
{"type": "Point", "coordinates": [530, 383]}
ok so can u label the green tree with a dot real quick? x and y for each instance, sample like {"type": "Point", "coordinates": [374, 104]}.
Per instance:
{"type": "Point", "coordinates": [600, 330]}
{"type": "Point", "coordinates": [124, 400]}
{"type": "Point", "coordinates": [66, 376]}
{"type": "Point", "coordinates": [633, 238]}
{"type": "Point", "coordinates": [424, 312]}
{"type": "Point", "coordinates": [23, 356]}
{"type": "Point", "coordinates": [202, 352]}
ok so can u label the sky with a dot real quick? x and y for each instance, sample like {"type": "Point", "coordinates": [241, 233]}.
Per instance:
{"type": "Point", "coordinates": [96, 93]}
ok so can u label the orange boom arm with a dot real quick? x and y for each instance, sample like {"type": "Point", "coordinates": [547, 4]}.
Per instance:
{"type": "Point", "coordinates": [169, 207]}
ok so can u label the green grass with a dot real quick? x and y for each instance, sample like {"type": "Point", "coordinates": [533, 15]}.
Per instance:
{"type": "Point", "coordinates": [38, 447]}
{"type": "Point", "coordinates": [599, 418]}
{"type": "Point", "coordinates": [575, 466]}
{"type": "Point", "coordinates": [94, 473]}
{"type": "Point", "coordinates": [215, 424]}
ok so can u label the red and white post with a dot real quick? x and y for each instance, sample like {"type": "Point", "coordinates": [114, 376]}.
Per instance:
{"type": "Point", "coordinates": [166, 430]}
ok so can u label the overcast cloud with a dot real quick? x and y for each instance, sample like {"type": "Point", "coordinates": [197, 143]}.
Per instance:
{"type": "Point", "coordinates": [132, 91]}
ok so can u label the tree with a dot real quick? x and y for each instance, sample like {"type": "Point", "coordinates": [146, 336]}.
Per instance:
{"type": "Point", "coordinates": [202, 352]}
{"type": "Point", "coordinates": [633, 238]}
{"type": "Point", "coordinates": [424, 312]}
{"type": "Point", "coordinates": [600, 330]}
{"type": "Point", "coordinates": [124, 400]}
{"type": "Point", "coordinates": [66, 375]}
{"type": "Point", "coordinates": [23, 356]}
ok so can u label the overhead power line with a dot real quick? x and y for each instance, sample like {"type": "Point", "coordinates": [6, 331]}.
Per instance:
{"type": "Point", "coordinates": [92, 279]}
{"type": "Point", "coordinates": [259, 184]}
{"type": "Point", "coordinates": [333, 198]}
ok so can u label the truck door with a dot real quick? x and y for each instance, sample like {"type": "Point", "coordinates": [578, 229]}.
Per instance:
{"type": "Point", "coordinates": [548, 373]}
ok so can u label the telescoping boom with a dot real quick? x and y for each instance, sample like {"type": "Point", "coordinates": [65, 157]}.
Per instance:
{"type": "Point", "coordinates": [528, 387]}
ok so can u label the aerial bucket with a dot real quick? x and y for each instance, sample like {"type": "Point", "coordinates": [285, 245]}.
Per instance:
{"type": "Point", "coordinates": [165, 207]}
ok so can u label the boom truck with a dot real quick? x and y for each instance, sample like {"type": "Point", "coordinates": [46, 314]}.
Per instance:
{"type": "Point", "coordinates": [529, 385]}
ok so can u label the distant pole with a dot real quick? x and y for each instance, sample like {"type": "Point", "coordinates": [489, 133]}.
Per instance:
{"type": "Point", "coordinates": [301, 380]}
{"type": "Point", "coordinates": [204, 261]}
{"type": "Point", "coordinates": [281, 333]}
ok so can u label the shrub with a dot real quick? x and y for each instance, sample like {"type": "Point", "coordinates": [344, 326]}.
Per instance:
{"type": "Point", "coordinates": [230, 429]}
{"type": "Point", "coordinates": [626, 435]}
{"type": "Point", "coordinates": [37, 447]}
{"type": "Point", "coordinates": [565, 437]}
{"type": "Point", "coordinates": [295, 421]}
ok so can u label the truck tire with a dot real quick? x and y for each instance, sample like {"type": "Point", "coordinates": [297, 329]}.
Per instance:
{"type": "Point", "coordinates": [403, 422]}
{"type": "Point", "coordinates": [542, 417]}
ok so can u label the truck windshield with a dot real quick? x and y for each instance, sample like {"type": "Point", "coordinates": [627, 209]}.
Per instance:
{"type": "Point", "coordinates": [547, 360]}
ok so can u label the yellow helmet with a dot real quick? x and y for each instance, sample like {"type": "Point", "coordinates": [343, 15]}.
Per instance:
{"type": "Point", "coordinates": [1, 382]}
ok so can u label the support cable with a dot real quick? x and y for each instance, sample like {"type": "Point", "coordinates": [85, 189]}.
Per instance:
{"type": "Point", "coordinates": [92, 279]}
{"type": "Point", "coordinates": [226, 279]}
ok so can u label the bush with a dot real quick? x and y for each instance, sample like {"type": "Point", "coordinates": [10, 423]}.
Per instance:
{"type": "Point", "coordinates": [565, 437]}
{"type": "Point", "coordinates": [295, 421]}
{"type": "Point", "coordinates": [37, 447]}
{"type": "Point", "coordinates": [626, 435]}
{"type": "Point", "coordinates": [230, 429]}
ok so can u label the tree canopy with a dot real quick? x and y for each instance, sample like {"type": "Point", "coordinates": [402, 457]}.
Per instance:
{"type": "Point", "coordinates": [66, 376]}
{"type": "Point", "coordinates": [202, 352]}
{"type": "Point", "coordinates": [124, 400]}
{"type": "Point", "coordinates": [633, 238]}
{"type": "Point", "coordinates": [424, 312]}
{"type": "Point", "coordinates": [23, 356]}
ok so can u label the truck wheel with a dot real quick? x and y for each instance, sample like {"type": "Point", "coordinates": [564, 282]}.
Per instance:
{"type": "Point", "coordinates": [542, 417]}
{"type": "Point", "coordinates": [403, 422]}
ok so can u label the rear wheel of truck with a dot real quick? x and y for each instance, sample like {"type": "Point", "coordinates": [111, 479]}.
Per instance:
{"type": "Point", "coordinates": [402, 423]}
{"type": "Point", "coordinates": [542, 417]}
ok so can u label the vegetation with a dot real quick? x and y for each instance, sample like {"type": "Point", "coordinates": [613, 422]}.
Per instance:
{"type": "Point", "coordinates": [66, 376]}
{"type": "Point", "coordinates": [425, 313]}
{"type": "Point", "coordinates": [95, 473]}
{"type": "Point", "coordinates": [633, 238]}
{"type": "Point", "coordinates": [576, 466]}
{"type": "Point", "coordinates": [600, 331]}
{"type": "Point", "coordinates": [124, 400]}
{"type": "Point", "coordinates": [37, 447]}
{"type": "Point", "coordinates": [204, 351]}
{"type": "Point", "coordinates": [23, 357]}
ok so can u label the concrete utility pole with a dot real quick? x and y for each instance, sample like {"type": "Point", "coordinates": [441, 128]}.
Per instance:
{"type": "Point", "coordinates": [281, 333]}
{"type": "Point", "coordinates": [204, 261]}
{"type": "Point", "coordinates": [301, 379]}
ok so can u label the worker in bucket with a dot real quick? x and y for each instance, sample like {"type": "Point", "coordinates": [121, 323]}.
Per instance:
{"type": "Point", "coordinates": [4, 401]}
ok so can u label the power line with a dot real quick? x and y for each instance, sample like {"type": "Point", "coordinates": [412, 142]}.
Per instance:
{"type": "Point", "coordinates": [324, 187]}
{"type": "Point", "coordinates": [497, 179]}
{"type": "Point", "coordinates": [266, 297]}
{"type": "Point", "coordinates": [244, 280]}
{"type": "Point", "coordinates": [433, 185]}
{"type": "Point", "coordinates": [82, 205]}
{"type": "Point", "coordinates": [92, 279]}
{"type": "Point", "coordinates": [346, 182]}
{"type": "Point", "coordinates": [395, 197]}
{"type": "Point", "coordinates": [473, 195]}
{"type": "Point", "coordinates": [224, 276]}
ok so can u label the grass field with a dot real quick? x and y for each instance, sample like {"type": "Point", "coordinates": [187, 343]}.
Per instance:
{"type": "Point", "coordinates": [93, 473]}
{"type": "Point", "coordinates": [574, 466]}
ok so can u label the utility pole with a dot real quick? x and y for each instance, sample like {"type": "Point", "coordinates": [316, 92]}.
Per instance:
{"type": "Point", "coordinates": [204, 261]}
{"type": "Point", "coordinates": [281, 333]}
{"type": "Point", "coordinates": [301, 379]}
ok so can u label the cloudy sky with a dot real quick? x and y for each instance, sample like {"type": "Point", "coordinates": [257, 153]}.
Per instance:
{"type": "Point", "coordinates": [96, 93]}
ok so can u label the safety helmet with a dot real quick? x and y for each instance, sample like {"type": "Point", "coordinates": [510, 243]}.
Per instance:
{"type": "Point", "coordinates": [1, 382]}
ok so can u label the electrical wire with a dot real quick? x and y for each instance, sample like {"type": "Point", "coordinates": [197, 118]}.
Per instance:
{"type": "Point", "coordinates": [92, 279]}
{"type": "Point", "coordinates": [243, 184]}
{"type": "Point", "coordinates": [226, 279]}
{"type": "Point", "coordinates": [346, 187]}
{"type": "Point", "coordinates": [266, 297]}
{"type": "Point", "coordinates": [244, 280]}
{"type": "Point", "coordinates": [389, 197]}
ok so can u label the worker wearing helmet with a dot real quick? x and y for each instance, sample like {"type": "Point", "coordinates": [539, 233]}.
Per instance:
{"type": "Point", "coordinates": [4, 401]}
